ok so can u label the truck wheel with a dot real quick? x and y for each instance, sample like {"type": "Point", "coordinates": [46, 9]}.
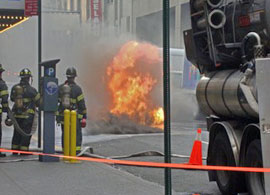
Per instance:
{"type": "Point", "coordinates": [255, 181]}
{"type": "Point", "coordinates": [223, 156]}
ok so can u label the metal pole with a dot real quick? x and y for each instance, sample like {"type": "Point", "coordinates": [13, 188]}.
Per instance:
{"type": "Point", "coordinates": [166, 90]}
{"type": "Point", "coordinates": [39, 67]}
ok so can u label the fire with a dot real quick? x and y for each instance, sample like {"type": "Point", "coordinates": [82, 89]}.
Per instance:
{"type": "Point", "coordinates": [131, 79]}
{"type": "Point", "coordinates": [159, 116]}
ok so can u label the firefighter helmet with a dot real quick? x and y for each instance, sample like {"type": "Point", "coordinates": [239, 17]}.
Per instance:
{"type": "Point", "coordinates": [25, 73]}
{"type": "Point", "coordinates": [71, 72]}
{"type": "Point", "coordinates": [1, 68]}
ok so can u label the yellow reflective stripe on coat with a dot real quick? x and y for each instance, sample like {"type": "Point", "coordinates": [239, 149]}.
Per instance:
{"type": "Point", "coordinates": [13, 146]}
{"type": "Point", "coordinates": [21, 116]}
{"type": "Point", "coordinates": [1, 110]}
{"type": "Point", "coordinates": [80, 116]}
{"type": "Point", "coordinates": [37, 97]}
{"type": "Point", "coordinates": [3, 92]}
{"type": "Point", "coordinates": [73, 101]}
{"type": "Point", "coordinates": [30, 111]}
{"type": "Point", "coordinates": [5, 105]}
{"type": "Point", "coordinates": [25, 114]}
{"type": "Point", "coordinates": [26, 100]}
{"type": "Point", "coordinates": [80, 97]}
{"type": "Point", "coordinates": [25, 148]}
{"type": "Point", "coordinates": [78, 148]}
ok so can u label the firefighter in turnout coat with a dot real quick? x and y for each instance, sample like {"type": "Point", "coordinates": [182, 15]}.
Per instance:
{"type": "Point", "coordinates": [26, 99]}
{"type": "Point", "coordinates": [71, 97]}
{"type": "Point", "coordinates": [4, 102]}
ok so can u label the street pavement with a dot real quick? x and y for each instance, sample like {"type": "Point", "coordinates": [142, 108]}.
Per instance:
{"type": "Point", "coordinates": [182, 137]}
{"type": "Point", "coordinates": [34, 177]}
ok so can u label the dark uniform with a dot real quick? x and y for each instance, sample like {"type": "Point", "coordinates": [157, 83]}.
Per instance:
{"type": "Point", "coordinates": [77, 103]}
{"type": "Point", "coordinates": [24, 116]}
{"type": "Point", "coordinates": [4, 101]}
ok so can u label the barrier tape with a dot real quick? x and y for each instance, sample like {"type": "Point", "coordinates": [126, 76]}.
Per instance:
{"type": "Point", "coordinates": [147, 164]}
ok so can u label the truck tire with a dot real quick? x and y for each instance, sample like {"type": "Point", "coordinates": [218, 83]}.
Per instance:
{"type": "Point", "coordinates": [223, 156]}
{"type": "Point", "coordinates": [255, 181]}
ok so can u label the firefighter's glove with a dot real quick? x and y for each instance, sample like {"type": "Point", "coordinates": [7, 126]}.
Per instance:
{"type": "Point", "coordinates": [8, 122]}
{"type": "Point", "coordinates": [83, 123]}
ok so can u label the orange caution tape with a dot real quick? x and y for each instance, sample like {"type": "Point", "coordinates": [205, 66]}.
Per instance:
{"type": "Point", "coordinates": [147, 164]}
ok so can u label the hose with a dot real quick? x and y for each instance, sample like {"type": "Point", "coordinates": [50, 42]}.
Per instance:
{"type": "Point", "coordinates": [88, 152]}
{"type": "Point", "coordinates": [17, 126]}
{"type": "Point", "coordinates": [246, 89]}
{"type": "Point", "coordinates": [244, 42]}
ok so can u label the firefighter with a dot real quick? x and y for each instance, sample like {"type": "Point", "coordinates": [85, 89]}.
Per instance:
{"type": "Point", "coordinates": [26, 99]}
{"type": "Point", "coordinates": [71, 97]}
{"type": "Point", "coordinates": [4, 102]}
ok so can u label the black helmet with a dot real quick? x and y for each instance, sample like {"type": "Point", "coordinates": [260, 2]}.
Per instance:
{"type": "Point", "coordinates": [71, 72]}
{"type": "Point", "coordinates": [25, 73]}
{"type": "Point", "coordinates": [1, 68]}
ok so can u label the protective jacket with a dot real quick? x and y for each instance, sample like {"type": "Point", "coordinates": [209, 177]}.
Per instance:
{"type": "Point", "coordinates": [24, 115]}
{"type": "Point", "coordinates": [30, 100]}
{"type": "Point", "coordinates": [4, 96]}
{"type": "Point", "coordinates": [77, 102]}
{"type": "Point", "coordinates": [4, 102]}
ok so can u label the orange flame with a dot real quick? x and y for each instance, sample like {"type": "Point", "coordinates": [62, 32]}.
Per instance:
{"type": "Point", "coordinates": [130, 82]}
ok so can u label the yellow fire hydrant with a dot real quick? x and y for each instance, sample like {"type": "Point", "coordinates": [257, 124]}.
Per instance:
{"type": "Point", "coordinates": [70, 129]}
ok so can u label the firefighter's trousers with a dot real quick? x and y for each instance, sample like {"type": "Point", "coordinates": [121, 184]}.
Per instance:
{"type": "Point", "coordinates": [78, 136]}
{"type": "Point", "coordinates": [0, 129]}
{"type": "Point", "coordinates": [20, 142]}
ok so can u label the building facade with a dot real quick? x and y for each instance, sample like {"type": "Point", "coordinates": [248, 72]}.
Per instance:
{"type": "Point", "coordinates": [143, 19]}
{"type": "Point", "coordinates": [140, 19]}
{"type": "Point", "coordinates": [89, 10]}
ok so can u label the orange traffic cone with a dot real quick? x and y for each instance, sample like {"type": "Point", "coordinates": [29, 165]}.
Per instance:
{"type": "Point", "coordinates": [196, 154]}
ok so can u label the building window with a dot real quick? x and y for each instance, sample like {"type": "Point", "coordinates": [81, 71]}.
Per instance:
{"type": "Point", "coordinates": [88, 5]}
{"type": "Point", "coordinates": [116, 10]}
{"type": "Point", "coordinates": [79, 5]}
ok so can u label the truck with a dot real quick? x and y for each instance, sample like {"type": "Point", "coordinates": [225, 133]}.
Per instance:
{"type": "Point", "coordinates": [228, 41]}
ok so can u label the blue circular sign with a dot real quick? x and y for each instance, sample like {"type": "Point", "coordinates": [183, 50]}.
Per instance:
{"type": "Point", "coordinates": [51, 88]}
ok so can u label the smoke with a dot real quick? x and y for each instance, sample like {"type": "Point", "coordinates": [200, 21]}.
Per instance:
{"type": "Point", "coordinates": [96, 56]}
{"type": "Point", "coordinates": [75, 44]}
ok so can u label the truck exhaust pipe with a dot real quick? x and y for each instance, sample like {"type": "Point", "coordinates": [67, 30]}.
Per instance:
{"type": "Point", "coordinates": [217, 19]}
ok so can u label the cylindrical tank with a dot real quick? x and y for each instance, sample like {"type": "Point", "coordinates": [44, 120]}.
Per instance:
{"type": "Point", "coordinates": [219, 93]}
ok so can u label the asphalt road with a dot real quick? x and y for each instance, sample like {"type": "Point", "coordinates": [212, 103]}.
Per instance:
{"type": "Point", "coordinates": [182, 138]}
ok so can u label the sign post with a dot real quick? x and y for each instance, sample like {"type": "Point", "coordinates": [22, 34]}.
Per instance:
{"type": "Point", "coordinates": [166, 89]}
{"type": "Point", "coordinates": [49, 94]}
{"type": "Point", "coordinates": [39, 67]}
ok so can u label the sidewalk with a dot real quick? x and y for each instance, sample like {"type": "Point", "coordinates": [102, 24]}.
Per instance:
{"type": "Point", "coordinates": [31, 177]}
{"type": "Point", "coordinates": [36, 178]}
